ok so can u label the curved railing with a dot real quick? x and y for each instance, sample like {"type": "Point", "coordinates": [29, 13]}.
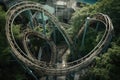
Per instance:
{"type": "Point", "coordinates": [70, 66]}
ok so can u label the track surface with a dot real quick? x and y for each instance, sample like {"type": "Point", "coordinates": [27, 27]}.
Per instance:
{"type": "Point", "coordinates": [47, 68]}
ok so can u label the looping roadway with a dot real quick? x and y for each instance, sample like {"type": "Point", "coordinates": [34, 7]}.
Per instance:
{"type": "Point", "coordinates": [74, 66]}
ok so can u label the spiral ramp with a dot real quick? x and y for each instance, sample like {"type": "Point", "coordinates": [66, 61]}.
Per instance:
{"type": "Point", "coordinates": [52, 68]}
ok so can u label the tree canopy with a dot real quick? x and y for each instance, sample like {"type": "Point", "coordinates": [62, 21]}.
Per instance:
{"type": "Point", "coordinates": [107, 65]}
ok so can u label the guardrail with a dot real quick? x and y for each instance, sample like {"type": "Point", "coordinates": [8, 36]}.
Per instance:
{"type": "Point", "coordinates": [39, 66]}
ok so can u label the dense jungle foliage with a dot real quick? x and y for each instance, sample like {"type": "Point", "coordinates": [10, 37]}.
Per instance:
{"type": "Point", "coordinates": [106, 66]}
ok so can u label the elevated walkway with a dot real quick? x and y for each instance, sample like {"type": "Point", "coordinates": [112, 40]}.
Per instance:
{"type": "Point", "coordinates": [47, 68]}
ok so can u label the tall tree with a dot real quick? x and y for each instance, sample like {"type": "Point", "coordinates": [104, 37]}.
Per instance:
{"type": "Point", "coordinates": [107, 65]}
